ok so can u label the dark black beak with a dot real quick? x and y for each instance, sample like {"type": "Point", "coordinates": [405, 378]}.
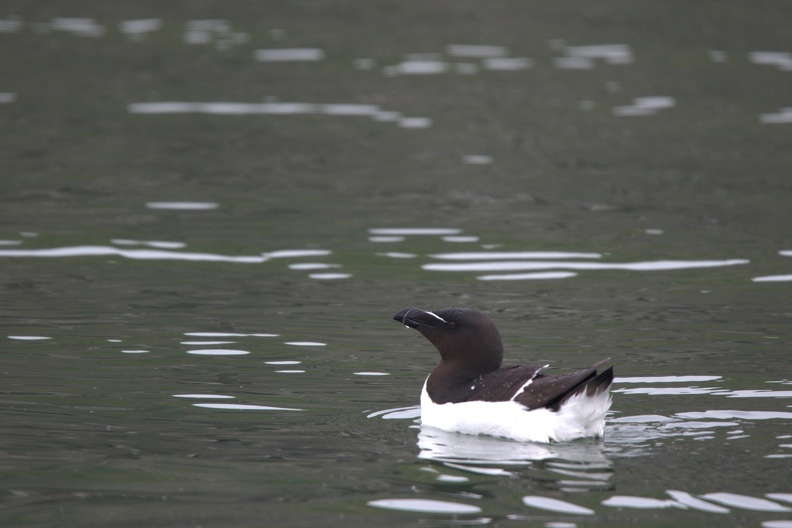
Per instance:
{"type": "Point", "coordinates": [415, 318]}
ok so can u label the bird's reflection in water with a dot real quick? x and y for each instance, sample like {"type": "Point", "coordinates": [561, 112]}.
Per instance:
{"type": "Point", "coordinates": [580, 464]}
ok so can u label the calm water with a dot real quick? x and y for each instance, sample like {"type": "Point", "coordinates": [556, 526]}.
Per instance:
{"type": "Point", "coordinates": [210, 211]}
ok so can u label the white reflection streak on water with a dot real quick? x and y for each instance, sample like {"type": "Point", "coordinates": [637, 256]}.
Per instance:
{"type": "Point", "coordinates": [780, 59]}
{"type": "Point", "coordinates": [476, 51]}
{"type": "Point", "coordinates": [627, 501]}
{"type": "Point", "coordinates": [659, 265]}
{"type": "Point", "coordinates": [460, 239]}
{"type": "Point", "coordinates": [289, 55]}
{"type": "Point", "coordinates": [424, 505]}
{"type": "Point", "coordinates": [660, 391]}
{"type": "Point", "coordinates": [218, 352]}
{"type": "Point", "coordinates": [292, 253]}
{"type": "Point", "coordinates": [183, 206]}
{"type": "Point", "coordinates": [204, 396]}
{"type": "Point", "coordinates": [642, 106]}
{"type": "Point", "coordinates": [410, 231]}
{"type": "Point", "coordinates": [690, 501]}
{"type": "Point", "coordinates": [150, 243]}
{"type": "Point", "coordinates": [665, 379]}
{"type": "Point", "coordinates": [243, 407]}
{"type": "Point", "coordinates": [507, 63]}
{"type": "Point", "coordinates": [610, 53]}
{"type": "Point", "coordinates": [329, 276]}
{"type": "Point", "coordinates": [312, 266]}
{"type": "Point", "coordinates": [530, 276]}
{"type": "Point", "coordinates": [205, 343]}
{"type": "Point", "coordinates": [555, 505]}
{"type": "Point", "coordinates": [783, 116]}
{"type": "Point", "coordinates": [135, 254]}
{"type": "Point", "coordinates": [139, 27]}
{"type": "Point", "coordinates": [10, 25]}
{"type": "Point", "coordinates": [83, 27]}
{"type": "Point", "coordinates": [418, 67]}
{"type": "Point", "coordinates": [496, 255]}
{"type": "Point", "coordinates": [477, 159]}
{"type": "Point", "coordinates": [229, 108]}
{"type": "Point", "coordinates": [745, 502]}
{"type": "Point", "coordinates": [773, 278]}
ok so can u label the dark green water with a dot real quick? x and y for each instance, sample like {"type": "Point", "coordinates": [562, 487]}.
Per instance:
{"type": "Point", "coordinates": [526, 142]}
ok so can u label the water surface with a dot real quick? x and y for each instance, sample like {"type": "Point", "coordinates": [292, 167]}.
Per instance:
{"type": "Point", "coordinates": [211, 212]}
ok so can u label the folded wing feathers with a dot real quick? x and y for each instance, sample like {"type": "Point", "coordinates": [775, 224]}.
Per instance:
{"type": "Point", "coordinates": [553, 391]}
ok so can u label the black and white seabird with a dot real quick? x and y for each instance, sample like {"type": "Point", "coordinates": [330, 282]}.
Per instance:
{"type": "Point", "coordinates": [468, 391]}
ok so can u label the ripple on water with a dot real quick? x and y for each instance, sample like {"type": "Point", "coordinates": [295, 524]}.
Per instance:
{"type": "Point", "coordinates": [477, 159]}
{"type": "Point", "coordinates": [214, 334]}
{"type": "Point", "coordinates": [780, 59]}
{"type": "Point", "coordinates": [424, 506]}
{"type": "Point", "coordinates": [739, 415]}
{"type": "Point", "coordinates": [777, 524]}
{"type": "Point", "coordinates": [398, 413]}
{"type": "Point", "coordinates": [609, 53]}
{"type": "Point", "coordinates": [386, 239]}
{"type": "Point", "coordinates": [414, 231]}
{"type": "Point", "coordinates": [460, 239]}
{"type": "Point", "coordinates": [135, 254]}
{"type": "Point", "coordinates": [745, 502]}
{"type": "Point", "coordinates": [476, 51]}
{"type": "Point", "coordinates": [139, 27]}
{"type": "Point", "coordinates": [774, 278]}
{"type": "Point", "coordinates": [226, 334]}
{"type": "Point", "coordinates": [785, 497]}
{"type": "Point", "coordinates": [289, 55]}
{"type": "Point", "coordinates": [28, 338]}
{"type": "Point", "coordinates": [507, 63]}
{"type": "Point", "coordinates": [664, 379]}
{"type": "Point", "coordinates": [312, 266]}
{"type": "Point", "coordinates": [242, 407]}
{"type": "Point", "coordinates": [279, 109]}
{"type": "Point", "coordinates": [690, 501]}
{"type": "Point", "coordinates": [555, 505]}
{"type": "Point", "coordinates": [282, 362]}
{"type": "Point", "coordinates": [664, 391]}
{"type": "Point", "coordinates": [218, 352]}
{"type": "Point", "coordinates": [81, 27]}
{"type": "Point", "coordinates": [514, 255]}
{"type": "Point", "coordinates": [183, 206]}
{"type": "Point", "coordinates": [297, 253]}
{"type": "Point", "coordinates": [645, 106]}
{"type": "Point", "coordinates": [329, 276]}
{"type": "Point", "coordinates": [206, 343]}
{"type": "Point", "coordinates": [628, 501]}
{"type": "Point", "coordinates": [159, 244]}
{"type": "Point", "coordinates": [204, 396]}
{"type": "Point", "coordinates": [542, 275]}
{"type": "Point", "coordinates": [509, 265]}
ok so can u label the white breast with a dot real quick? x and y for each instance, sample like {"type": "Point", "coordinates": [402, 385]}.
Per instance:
{"type": "Point", "coordinates": [580, 416]}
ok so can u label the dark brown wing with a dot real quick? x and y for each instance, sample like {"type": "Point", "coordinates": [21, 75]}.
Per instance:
{"type": "Point", "coordinates": [552, 391]}
{"type": "Point", "coordinates": [502, 384]}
